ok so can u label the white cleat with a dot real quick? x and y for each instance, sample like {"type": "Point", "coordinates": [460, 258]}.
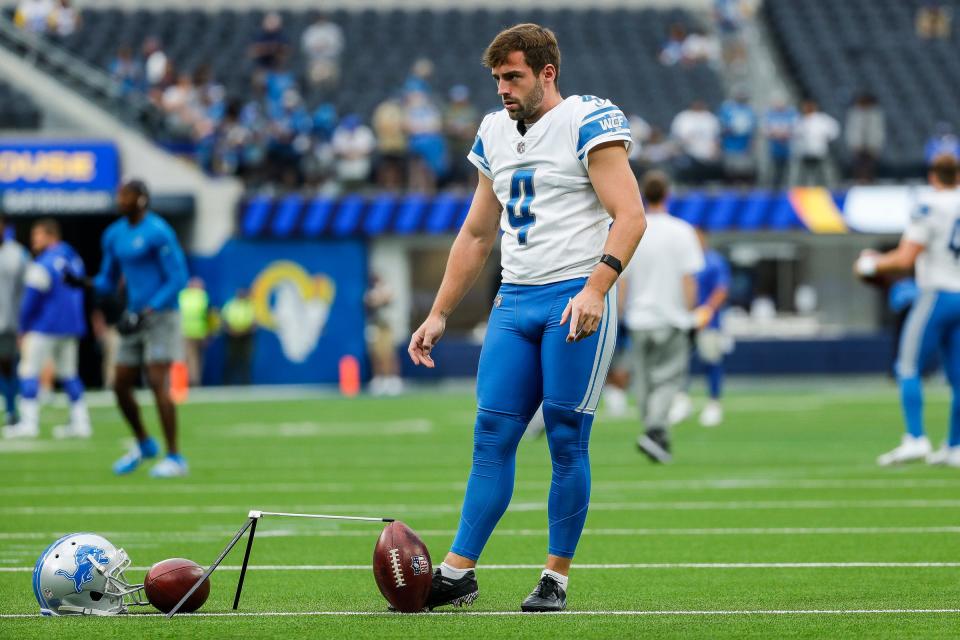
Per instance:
{"type": "Point", "coordinates": [680, 409]}
{"type": "Point", "coordinates": [910, 450]}
{"type": "Point", "coordinates": [712, 414]}
{"type": "Point", "coordinates": [615, 401]}
{"type": "Point", "coordinates": [72, 431]}
{"type": "Point", "coordinates": [169, 467]}
{"type": "Point", "coordinates": [947, 456]}
{"type": "Point", "coordinates": [20, 431]}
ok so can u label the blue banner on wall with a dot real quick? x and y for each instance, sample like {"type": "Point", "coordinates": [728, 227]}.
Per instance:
{"type": "Point", "coordinates": [58, 176]}
{"type": "Point", "coordinates": [308, 299]}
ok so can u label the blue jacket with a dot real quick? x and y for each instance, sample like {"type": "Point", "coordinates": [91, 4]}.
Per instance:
{"type": "Point", "coordinates": [50, 306]}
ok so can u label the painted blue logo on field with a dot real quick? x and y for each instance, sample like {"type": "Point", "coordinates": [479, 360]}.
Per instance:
{"type": "Point", "coordinates": [85, 556]}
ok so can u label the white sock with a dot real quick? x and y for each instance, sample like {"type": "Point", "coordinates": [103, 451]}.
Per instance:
{"type": "Point", "coordinates": [30, 413]}
{"type": "Point", "coordinates": [560, 578]}
{"type": "Point", "coordinates": [452, 572]}
{"type": "Point", "coordinates": [79, 416]}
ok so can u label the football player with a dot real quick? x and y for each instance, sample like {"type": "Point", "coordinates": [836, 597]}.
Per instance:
{"type": "Point", "coordinates": [553, 172]}
{"type": "Point", "coordinates": [52, 322]}
{"type": "Point", "coordinates": [931, 244]}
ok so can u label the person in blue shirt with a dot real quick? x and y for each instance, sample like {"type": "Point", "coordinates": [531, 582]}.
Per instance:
{"type": "Point", "coordinates": [738, 124]}
{"type": "Point", "coordinates": [779, 123]}
{"type": "Point", "coordinates": [713, 285]}
{"type": "Point", "coordinates": [143, 249]}
{"type": "Point", "coordinates": [51, 324]}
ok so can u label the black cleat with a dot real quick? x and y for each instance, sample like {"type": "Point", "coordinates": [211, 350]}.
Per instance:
{"type": "Point", "coordinates": [655, 445]}
{"type": "Point", "coordinates": [446, 591]}
{"type": "Point", "coordinates": [548, 596]}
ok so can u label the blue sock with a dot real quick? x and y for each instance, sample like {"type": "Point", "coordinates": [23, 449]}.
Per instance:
{"type": "Point", "coordinates": [953, 438]}
{"type": "Point", "coordinates": [9, 388]}
{"type": "Point", "coordinates": [149, 448]}
{"type": "Point", "coordinates": [911, 399]}
{"type": "Point", "coordinates": [490, 487]}
{"type": "Point", "coordinates": [715, 380]}
{"type": "Point", "coordinates": [568, 433]}
{"type": "Point", "coordinates": [73, 388]}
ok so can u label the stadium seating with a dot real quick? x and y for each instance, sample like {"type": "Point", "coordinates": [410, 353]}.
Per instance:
{"type": "Point", "coordinates": [836, 49]}
{"type": "Point", "coordinates": [612, 53]}
{"type": "Point", "coordinates": [17, 110]}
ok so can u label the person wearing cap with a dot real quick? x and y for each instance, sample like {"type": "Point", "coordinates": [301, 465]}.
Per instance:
{"type": "Point", "coordinates": [143, 249]}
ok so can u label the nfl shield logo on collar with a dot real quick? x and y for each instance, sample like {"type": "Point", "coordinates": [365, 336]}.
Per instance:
{"type": "Point", "coordinates": [521, 147]}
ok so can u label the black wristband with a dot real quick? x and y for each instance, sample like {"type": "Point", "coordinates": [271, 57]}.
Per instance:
{"type": "Point", "coordinates": [612, 262]}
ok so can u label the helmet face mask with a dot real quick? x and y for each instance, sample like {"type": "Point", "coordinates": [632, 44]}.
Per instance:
{"type": "Point", "coordinates": [83, 574]}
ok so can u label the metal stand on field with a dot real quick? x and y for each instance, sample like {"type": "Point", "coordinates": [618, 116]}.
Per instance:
{"type": "Point", "coordinates": [252, 518]}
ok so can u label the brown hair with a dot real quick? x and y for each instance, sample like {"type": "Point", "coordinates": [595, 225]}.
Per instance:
{"type": "Point", "coordinates": [655, 187]}
{"type": "Point", "coordinates": [51, 226]}
{"type": "Point", "coordinates": [538, 45]}
{"type": "Point", "coordinates": [944, 168]}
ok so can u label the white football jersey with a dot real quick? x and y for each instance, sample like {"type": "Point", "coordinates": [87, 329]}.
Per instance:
{"type": "Point", "coordinates": [936, 225]}
{"type": "Point", "coordinates": [554, 227]}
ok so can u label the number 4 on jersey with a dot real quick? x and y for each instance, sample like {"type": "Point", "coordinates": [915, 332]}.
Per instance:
{"type": "Point", "coordinates": [954, 245]}
{"type": "Point", "coordinates": [518, 206]}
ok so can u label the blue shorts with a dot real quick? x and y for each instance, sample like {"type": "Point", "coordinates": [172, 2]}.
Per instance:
{"type": "Point", "coordinates": [526, 359]}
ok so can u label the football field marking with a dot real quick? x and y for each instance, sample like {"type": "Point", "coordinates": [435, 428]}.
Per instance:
{"type": "Point", "coordinates": [716, 612]}
{"type": "Point", "coordinates": [626, 532]}
{"type": "Point", "coordinates": [398, 510]}
{"type": "Point", "coordinates": [613, 566]}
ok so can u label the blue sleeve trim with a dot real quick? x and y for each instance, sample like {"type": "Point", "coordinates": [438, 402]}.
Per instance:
{"type": "Point", "coordinates": [612, 124]}
{"type": "Point", "coordinates": [599, 111]}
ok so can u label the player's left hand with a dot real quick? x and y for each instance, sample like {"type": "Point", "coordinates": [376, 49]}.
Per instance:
{"type": "Point", "coordinates": [585, 311]}
{"type": "Point", "coordinates": [702, 316]}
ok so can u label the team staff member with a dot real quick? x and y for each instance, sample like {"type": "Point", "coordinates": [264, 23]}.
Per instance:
{"type": "Point", "coordinates": [143, 248]}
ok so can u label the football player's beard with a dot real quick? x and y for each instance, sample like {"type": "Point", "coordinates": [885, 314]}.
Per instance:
{"type": "Point", "coordinates": [528, 108]}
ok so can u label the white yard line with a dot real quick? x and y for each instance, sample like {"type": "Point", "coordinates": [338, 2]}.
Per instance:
{"type": "Point", "coordinates": [703, 613]}
{"type": "Point", "coordinates": [614, 532]}
{"type": "Point", "coordinates": [579, 567]}
{"type": "Point", "coordinates": [394, 510]}
{"type": "Point", "coordinates": [720, 484]}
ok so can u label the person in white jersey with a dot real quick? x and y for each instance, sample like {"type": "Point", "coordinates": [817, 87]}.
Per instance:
{"type": "Point", "coordinates": [930, 245]}
{"type": "Point", "coordinates": [553, 175]}
{"type": "Point", "coordinates": [660, 291]}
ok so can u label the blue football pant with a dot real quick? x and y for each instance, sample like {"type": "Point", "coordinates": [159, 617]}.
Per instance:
{"type": "Point", "coordinates": [526, 360]}
{"type": "Point", "coordinates": [933, 324]}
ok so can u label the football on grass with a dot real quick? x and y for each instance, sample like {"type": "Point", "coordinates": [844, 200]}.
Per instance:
{"type": "Point", "coordinates": [401, 566]}
{"type": "Point", "coordinates": [168, 581]}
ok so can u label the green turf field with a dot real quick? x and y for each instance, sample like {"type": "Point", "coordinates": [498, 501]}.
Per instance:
{"type": "Point", "coordinates": [777, 524]}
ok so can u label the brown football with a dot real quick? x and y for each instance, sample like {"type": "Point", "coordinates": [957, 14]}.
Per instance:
{"type": "Point", "coordinates": [402, 568]}
{"type": "Point", "coordinates": [168, 581]}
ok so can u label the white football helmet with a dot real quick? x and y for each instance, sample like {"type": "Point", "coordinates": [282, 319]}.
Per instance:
{"type": "Point", "coordinates": [82, 574]}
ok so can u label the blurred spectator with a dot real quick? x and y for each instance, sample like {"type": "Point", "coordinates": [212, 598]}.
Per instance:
{"type": "Point", "coordinates": [738, 124]}
{"type": "Point", "coordinates": [270, 44]}
{"type": "Point", "coordinates": [239, 323]}
{"type": "Point", "coordinates": [322, 44]}
{"type": "Point", "coordinates": [33, 16]}
{"type": "Point", "coordinates": [65, 20]}
{"type": "Point", "coordinates": [779, 123]}
{"type": "Point", "coordinates": [640, 132]}
{"type": "Point", "coordinates": [127, 70]}
{"type": "Point", "coordinates": [195, 324]}
{"type": "Point", "coordinates": [389, 121]}
{"type": "Point", "coordinates": [672, 51]}
{"type": "Point", "coordinates": [699, 47]}
{"type": "Point", "coordinates": [943, 142]}
{"type": "Point", "coordinates": [658, 152]}
{"type": "Point", "coordinates": [428, 153]}
{"type": "Point", "coordinates": [353, 144]}
{"type": "Point", "coordinates": [696, 131]}
{"type": "Point", "coordinates": [289, 131]}
{"type": "Point", "coordinates": [231, 150]}
{"type": "Point", "coordinates": [181, 104]}
{"type": "Point", "coordinates": [865, 131]}
{"type": "Point", "coordinates": [729, 16]}
{"type": "Point", "coordinates": [460, 122]}
{"type": "Point", "coordinates": [382, 348]}
{"type": "Point", "coordinates": [421, 76]}
{"type": "Point", "coordinates": [155, 61]}
{"type": "Point", "coordinates": [933, 20]}
{"type": "Point", "coordinates": [814, 132]}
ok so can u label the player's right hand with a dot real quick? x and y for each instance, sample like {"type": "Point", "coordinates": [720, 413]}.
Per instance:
{"type": "Point", "coordinates": [425, 338]}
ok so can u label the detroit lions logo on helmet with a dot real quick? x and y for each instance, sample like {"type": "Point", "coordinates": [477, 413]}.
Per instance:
{"type": "Point", "coordinates": [85, 556]}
